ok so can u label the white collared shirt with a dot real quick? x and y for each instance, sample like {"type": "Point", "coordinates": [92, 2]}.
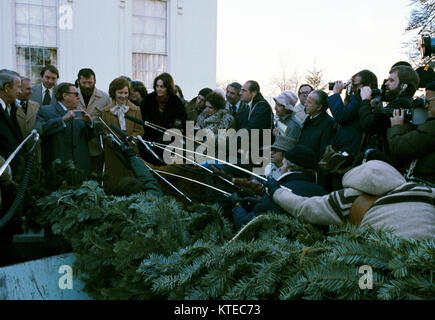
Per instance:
{"type": "Point", "coordinates": [237, 105]}
{"type": "Point", "coordinates": [4, 106]}
{"type": "Point", "coordinates": [49, 90]}
{"type": "Point", "coordinates": [311, 117]}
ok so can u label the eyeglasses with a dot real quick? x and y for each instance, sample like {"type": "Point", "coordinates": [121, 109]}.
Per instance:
{"type": "Point", "coordinates": [304, 92]}
{"type": "Point", "coordinates": [74, 93]}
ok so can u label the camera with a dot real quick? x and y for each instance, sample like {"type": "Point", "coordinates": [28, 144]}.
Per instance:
{"type": "Point", "coordinates": [348, 87]}
{"type": "Point", "coordinates": [427, 46]}
{"type": "Point", "coordinates": [414, 113]}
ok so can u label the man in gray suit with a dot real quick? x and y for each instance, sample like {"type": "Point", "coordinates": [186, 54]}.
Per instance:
{"type": "Point", "coordinates": [66, 129]}
{"type": "Point", "coordinates": [43, 92]}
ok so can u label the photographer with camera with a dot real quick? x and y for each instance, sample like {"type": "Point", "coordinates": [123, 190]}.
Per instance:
{"type": "Point", "coordinates": [398, 91]}
{"type": "Point", "coordinates": [414, 149]}
{"type": "Point", "coordinates": [349, 132]}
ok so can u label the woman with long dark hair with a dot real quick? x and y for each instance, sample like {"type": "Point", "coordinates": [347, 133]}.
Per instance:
{"type": "Point", "coordinates": [163, 108]}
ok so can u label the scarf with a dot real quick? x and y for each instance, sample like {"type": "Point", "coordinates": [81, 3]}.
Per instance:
{"type": "Point", "coordinates": [161, 102]}
{"type": "Point", "coordinates": [120, 111]}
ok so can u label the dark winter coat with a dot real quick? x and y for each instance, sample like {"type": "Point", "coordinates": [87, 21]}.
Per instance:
{"type": "Point", "coordinates": [174, 111]}
{"type": "Point", "coordinates": [302, 184]}
{"type": "Point", "coordinates": [261, 116]}
{"type": "Point", "coordinates": [349, 132]}
{"type": "Point", "coordinates": [375, 122]}
{"type": "Point", "coordinates": [317, 133]}
{"type": "Point", "coordinates": [144, 175]}
{"type": "Point", "coordinates": [406, 146]}
{"type": "Point", "coordinates": [64, 140]}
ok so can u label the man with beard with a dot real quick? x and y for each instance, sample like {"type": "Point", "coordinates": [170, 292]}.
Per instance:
{"type": "Point", "coordinates": [415, 149]}
{"type": "Point", "coordinates": [374, 119]}
{"type": "Point", "coordinates": [93, 101]}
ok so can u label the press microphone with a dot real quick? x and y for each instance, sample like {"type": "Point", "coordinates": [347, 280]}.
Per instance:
{"type": "Point", "coordinates": [135, 120]}
{"type": "Point", "coordinates": [122, 134]}
{"type": "Point", "coordinates": [143, 123]}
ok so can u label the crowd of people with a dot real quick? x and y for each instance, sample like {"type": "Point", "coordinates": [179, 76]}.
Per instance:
{"type": "Point", "coordinates": [361, 155]}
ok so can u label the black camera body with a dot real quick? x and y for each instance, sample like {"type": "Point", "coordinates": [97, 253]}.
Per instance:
{"type": "Point", "coordinates": [427, 46]}
{"type": "Point", "coordinates": [414, 112]}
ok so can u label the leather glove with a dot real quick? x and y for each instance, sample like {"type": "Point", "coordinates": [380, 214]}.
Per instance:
{"type": "Point", "coordinates": [234, 198]}
{"type": "Point", "coordinates": [127, 151]}
{"type": "Point", "coordinates": [272, 185]}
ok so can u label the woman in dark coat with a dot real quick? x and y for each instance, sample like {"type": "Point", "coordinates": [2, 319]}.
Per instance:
{"type": "Point", "coordinates": [163, 108]}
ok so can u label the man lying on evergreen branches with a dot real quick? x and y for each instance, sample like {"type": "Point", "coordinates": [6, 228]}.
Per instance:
{"type": "Point", "coordinates": [375, 194]}
{"type": "Point", "coordinates": [298, 172]}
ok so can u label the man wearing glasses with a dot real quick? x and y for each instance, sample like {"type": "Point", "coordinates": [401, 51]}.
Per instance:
{"type": "Point", "coordinates": [303, 92]}
{"type": "Point", "coordinates": [415, 149]}
{"type": "Point", "coordinates": [66, 129]}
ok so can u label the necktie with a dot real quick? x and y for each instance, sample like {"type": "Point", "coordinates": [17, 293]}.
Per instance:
{"type": "Point", "coordinates": [24, 106]}
{"type": "Point", "coordinates": [233, 109]}
{"type": "Point", "coordinates": [8, 109]}
{"type": "Point", "coordinates": [47, 98]}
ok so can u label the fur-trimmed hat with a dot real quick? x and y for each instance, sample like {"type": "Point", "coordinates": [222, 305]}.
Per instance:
{"type": "Point", "coordinates": [288, 99]}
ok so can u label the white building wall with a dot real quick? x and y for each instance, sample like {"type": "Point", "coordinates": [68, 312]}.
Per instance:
{"type": "Point", "coordinates": [101, 39]}
{"type": "Point", "coordinates": [192, 44]}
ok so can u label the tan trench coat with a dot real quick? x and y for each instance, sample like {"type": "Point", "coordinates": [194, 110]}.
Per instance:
{"type": "Point", "coordinates": [115, 169]}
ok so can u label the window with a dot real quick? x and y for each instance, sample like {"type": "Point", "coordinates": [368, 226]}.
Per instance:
{"type": "Point", "coordinates": [149, 40]}
{"type": "Point", "coordinates": [35, 36]}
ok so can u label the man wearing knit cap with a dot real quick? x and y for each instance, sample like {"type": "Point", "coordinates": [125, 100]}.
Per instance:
{"type": "Point", "coordinates": [286, 122]}
{"type": "Point", "coordinates": [298, 173]}
{"type": "Point", "coordinates": [281, 145]}
{"type": "Point", "coordinates": [414, 149]}
{"type": "Point", "coordinates": [374, 194]}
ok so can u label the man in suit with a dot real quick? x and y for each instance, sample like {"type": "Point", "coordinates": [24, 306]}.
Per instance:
{"type": "Point", "coordinates": [10, 139]}
{"type": "Point", "coordinates": [10, 134]}
{"type": "Point", "coordinates": [234, 103]}
{"type": "Point", "coordinates": [26, 118]}
{"type": "Point", "coordinates": [43, 93]}
{"type": "Point", "coordinates": [66, 129]}
{"type": "Point", "coordinates": [257, 115]}
{"type": "Point", "coordinates": [93, 101]}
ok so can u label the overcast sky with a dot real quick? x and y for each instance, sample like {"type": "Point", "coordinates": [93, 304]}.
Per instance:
{"type": "Point", "coordinates": [257, 39]}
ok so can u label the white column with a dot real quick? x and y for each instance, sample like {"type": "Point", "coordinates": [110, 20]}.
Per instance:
{"type": "Point", "coordinates": [7, 35]}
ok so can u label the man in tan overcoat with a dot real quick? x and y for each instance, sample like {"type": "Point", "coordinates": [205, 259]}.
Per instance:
{"type": "Point", "coordinates": [93, 101]}
{"type": "Point", "coordinates": [26, 117]}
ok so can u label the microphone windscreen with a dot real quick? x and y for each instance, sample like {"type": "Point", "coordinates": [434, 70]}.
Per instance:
{"type": "Point", "coordinates": [118, 131]}
{"type": "Point", "coordinates": [135, 120]}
